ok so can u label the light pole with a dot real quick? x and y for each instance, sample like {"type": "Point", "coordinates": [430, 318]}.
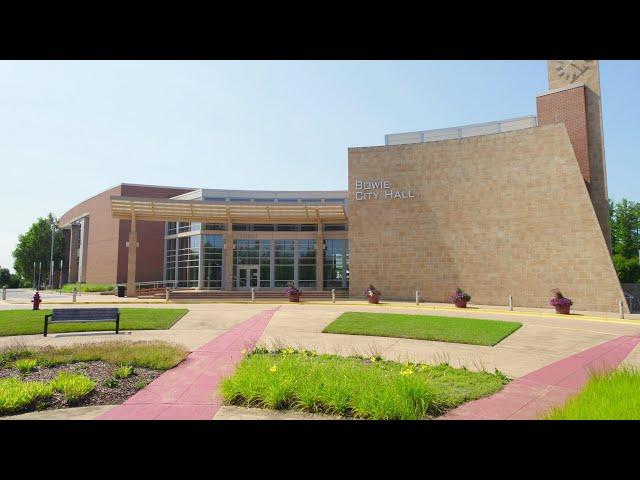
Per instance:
{"type": "Point", "coordinates": [39, 270]}
{"type": "Point", "coordinates": [53, 231]}
{"type": "Point", "coordinates": [60, 282]}
{"type": "Point", "coordinates": [34, 275]}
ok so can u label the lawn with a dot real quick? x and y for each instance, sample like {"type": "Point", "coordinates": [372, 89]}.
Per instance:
{"type": "Point", "coordinates": [612, 396]}
{"type": "Point", "coordinates": [88, 287]}
{"type": "Point", "coordinates": [368, 388]}
{"type": "Point", "coordinates": [423, 327]}
{"type": "Point", "coordinates": [31, 322]}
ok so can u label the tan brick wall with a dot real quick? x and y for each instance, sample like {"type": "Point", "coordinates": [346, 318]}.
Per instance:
{"type": "Point", "coordinates": [102, 241]}
{"type": "Point", "coordinates": [497, 215]}
{"type": "Point", "coordinates": [106, 260]}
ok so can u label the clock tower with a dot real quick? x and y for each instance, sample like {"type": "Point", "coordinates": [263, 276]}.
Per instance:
{"type": "Point", "coordinates": [574, 99]}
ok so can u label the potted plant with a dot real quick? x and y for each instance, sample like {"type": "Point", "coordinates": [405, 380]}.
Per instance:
{"type": "Point", "coordinates": [460, 298]}
{"type": "Point", "coordinates": [293, 292]}
{"type": "Point", "coordinates": [373, 294]}
{"type": "Point", "coordinates": [561, 303]}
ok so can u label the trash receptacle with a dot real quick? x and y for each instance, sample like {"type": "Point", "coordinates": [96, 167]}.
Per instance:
{"type": "Point", "coordinates": [121, 290]}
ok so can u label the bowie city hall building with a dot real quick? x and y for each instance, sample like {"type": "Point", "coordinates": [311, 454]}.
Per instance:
{"type": "Point", "coordinates": [515, 207]}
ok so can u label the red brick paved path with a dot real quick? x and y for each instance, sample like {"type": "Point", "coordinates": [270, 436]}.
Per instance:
{"type": "Point", "coordinates": [189, 391]}
{"type": "Point", "coordinates": [529, 396]}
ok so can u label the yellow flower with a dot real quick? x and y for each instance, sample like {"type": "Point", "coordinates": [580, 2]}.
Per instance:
{"type": "Point", "coordinates": [373, 359]}
{"type": "Point", "coordinates": [273, 369]}
{"type": "Point", "coordinates": [243, 351]}
{"type": "Point", "coordinates": [406, 371]}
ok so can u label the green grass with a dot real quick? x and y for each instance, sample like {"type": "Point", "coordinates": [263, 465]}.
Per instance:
{"type": "Point", "coordinates": [26, 365]}
{"type": "Point", "coordinates": [88, 287]}
{"type": "Point", "coordinates": [123, 371]}
{"type": "Point", "coordinates": [31, 322]}
{"type": "Point", "coordinates": [73, 386]}
{"type": "Point", "coordinates": [423, 327]}
{"type": "Point", "coordinates": [353, 386]}
{"type": "Point", "coordinates": [16, 395]}
{"type": "Point", "coordinates": [150, 354]}
{"type": "Point", "coordinates": [612, 396]}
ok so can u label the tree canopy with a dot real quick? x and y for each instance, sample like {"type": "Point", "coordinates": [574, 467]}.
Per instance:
{"type": "Point", "coordinates": [35, 246]}
{"type": "Point", "coordinates": [624, 219]}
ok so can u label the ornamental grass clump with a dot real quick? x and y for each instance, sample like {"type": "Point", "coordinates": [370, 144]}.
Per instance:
{"type": "Point", "coordinates": [26, 365]}
{"type": "Point", "coordinates": [17, 395]}
{"type": "Point", "coordinates": [73, 386]}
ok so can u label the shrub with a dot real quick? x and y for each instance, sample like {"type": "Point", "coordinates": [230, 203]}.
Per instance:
{"type": "Point", "coordinates": [26, 365]}
{"type": "Point", "coordinates": [559, 300]}
{"type": "Point", "coordinates": [16, 395]}
{"type": "Point", "coordinates": [123, 371]}
{"type": "Point", "coordinates": [292, 290]}
{"type": "Point", "coordinates": [88, 287]}
{"type": "Point", "coordinates": [73, 386]}
{"type": "Point", "coordinates": [140, 384]}
{"type": "Point", "coordinates": [371, 291]}
{"type": "Point", "coordinates": [110, 382]}
{"type": "Point", "coordinates": [628, 269]}
{"type": "Point", "coordinates": [459, 294]}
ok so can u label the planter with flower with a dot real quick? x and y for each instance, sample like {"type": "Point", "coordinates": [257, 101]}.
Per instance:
{"type": "Point", "coordinates": [293, 293]}
{"type": "Point", "coordinates": [460, 298]}
{"type": "Point", "coordinates": [373, 294]}
{"type": "Point", "coordinates": [561, 303]}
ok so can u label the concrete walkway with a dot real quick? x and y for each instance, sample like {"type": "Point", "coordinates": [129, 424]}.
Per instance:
{"type": "Point", "coordinates": [189, 391]}
{"type": "Point", "coordinates": [531, 395]}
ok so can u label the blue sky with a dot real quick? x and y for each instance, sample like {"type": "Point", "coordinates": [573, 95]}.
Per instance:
{"type": "Point", "coordinates": [69, 130]}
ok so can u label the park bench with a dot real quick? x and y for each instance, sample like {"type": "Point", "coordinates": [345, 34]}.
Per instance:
{"type": "Point", "coordinates": [82, 315]}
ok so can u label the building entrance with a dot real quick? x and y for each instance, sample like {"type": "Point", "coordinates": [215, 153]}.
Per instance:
{"type": "Point", "coordinates": [248, 276]}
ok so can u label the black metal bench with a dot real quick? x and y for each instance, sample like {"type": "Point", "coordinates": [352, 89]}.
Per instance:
{"type": "Point", "coordinates": [82, 315]}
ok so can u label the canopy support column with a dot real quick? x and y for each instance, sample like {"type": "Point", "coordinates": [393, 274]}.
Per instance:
{"type": "Point", "coordinates": [131, 259]}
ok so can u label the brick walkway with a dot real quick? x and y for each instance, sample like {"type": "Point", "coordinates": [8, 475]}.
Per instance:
{"type": "Point", "coordinates": [533, 394]}
{"type": "Point", "coordinates": [189, 391]}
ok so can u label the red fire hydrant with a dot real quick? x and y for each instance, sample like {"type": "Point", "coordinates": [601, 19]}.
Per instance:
{"type": "Point", "coordinates": [36, 301]}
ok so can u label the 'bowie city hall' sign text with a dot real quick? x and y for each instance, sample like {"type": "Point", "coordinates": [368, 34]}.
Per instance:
{"type": "Point", "coordinates": [380, 189]}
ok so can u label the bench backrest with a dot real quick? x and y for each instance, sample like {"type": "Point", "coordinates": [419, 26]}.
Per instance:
{"type": "Point", "coordinates": [90, 314]}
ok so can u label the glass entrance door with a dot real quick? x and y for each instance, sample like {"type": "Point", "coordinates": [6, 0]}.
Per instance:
{"type": "Point", "coordinates": [248, 276]}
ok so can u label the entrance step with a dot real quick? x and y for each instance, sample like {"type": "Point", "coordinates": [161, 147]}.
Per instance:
{"type": "Point", "coordinates": [246, 295]}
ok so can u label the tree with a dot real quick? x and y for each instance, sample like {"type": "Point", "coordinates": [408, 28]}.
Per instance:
{"type": "Point", "coordinates": [35, 246]}
{"type": "Point", "coordinates": [7, 279]}
{"type": "Point", "coordinates": [624, 219]}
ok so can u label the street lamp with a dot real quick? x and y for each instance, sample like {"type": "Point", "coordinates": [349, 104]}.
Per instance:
{"type": "Point", "coordinates": [53, 231]}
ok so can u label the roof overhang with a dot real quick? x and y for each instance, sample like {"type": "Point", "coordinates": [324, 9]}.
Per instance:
{"type": "Point", "coordinates": [169, 210]}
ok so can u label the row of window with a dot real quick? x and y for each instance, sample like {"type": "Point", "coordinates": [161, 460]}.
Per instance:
{"type": "Point", "coordinates": [181, 227]}
{"type": "Point", "coordinates": [256, 263]}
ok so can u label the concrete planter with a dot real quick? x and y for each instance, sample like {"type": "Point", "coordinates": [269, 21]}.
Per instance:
{"type": "Point", "coordinates": [460, 303]}
{"type": "Point", "coordinates": [294, 297]}
{"type": "Point", "coordinates": [375, 298]}
{"type": "Point", "coordinates": [563, 309]}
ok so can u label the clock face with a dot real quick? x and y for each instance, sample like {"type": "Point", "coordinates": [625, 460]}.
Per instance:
{"type": "Point", "coordinates": [571, 70]}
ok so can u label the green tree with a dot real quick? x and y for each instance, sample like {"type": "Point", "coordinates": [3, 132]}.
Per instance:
{"type": "Point", "coordinates": [625, 228]}
{"type": "Point", "coordinates": [35, 246]}
{"type": "Point", "coordinates": [628, 269]}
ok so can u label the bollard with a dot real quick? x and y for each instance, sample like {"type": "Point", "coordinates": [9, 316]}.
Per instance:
{"type": "Point", "coordinates": [4, 293]}
{"type": "Point", "coordinates": [253, 295]}
{"type": "Point", "coordinates": [333, 295]}
{"type": "Point", "coordinates": [167, 292]}
{"type": "Point", "coordinates": [417, 297]}
{"type": "Point", "coordinates": [621, 309]}
{"type": "Point", "coordinates": [75, 292]}
{"type": "Point", "coordinates": [510, 303]}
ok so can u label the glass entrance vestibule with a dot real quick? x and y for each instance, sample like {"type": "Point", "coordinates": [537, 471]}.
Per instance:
{"type": "Point", "coordinates": [197, 258]}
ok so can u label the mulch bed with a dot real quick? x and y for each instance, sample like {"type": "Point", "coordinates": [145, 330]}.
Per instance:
{"type": "Point", "coordinates": [98, 371]}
